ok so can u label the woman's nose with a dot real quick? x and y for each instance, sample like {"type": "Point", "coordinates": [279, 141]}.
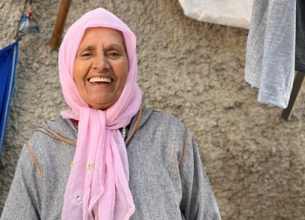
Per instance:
{"type": "Point", "coordinates": [101, 63]}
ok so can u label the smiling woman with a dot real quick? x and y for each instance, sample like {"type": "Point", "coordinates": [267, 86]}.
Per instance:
{"type": "Point", "coordinates": [101, 67]}
{"type": "Point", "coordinates": [109, 157]}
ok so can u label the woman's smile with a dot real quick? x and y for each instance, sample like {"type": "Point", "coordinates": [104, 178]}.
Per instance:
{"type": "Point", "coordinates": [99, 80]}
{"type": "Point", "coordinates": [102, 81]}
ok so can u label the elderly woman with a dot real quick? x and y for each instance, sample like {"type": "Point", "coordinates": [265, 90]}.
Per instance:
{"type": "Point", "coordinates": [108, 157]}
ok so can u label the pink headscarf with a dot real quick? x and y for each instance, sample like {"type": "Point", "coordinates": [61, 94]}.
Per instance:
{"type": "Point", "coordinates": [99, 178]}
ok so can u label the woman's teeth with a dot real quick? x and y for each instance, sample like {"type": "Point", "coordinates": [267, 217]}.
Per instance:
{"type": "Point", "coordinates": [96, 79]}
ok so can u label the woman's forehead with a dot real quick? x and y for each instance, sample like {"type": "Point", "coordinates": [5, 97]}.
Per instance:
{"type": "Point", "coordinates": [102, 35]}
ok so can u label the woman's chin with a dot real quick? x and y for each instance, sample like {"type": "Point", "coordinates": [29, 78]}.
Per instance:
{"type": "Point", "coordinates": [98, 105]}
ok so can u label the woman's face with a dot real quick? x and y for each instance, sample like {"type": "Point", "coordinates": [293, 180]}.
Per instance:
{"type": "Point", "coordinates": [101, 67]}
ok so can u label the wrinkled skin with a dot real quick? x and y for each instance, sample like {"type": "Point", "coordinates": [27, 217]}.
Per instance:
{"type": "Point", "coordinates": [101, 55]}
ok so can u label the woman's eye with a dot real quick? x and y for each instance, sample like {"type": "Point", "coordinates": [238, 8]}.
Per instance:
{"type": "Point", "coordinates": [114, 54]}
{"type": "Point", "coordinates": [86, 54]}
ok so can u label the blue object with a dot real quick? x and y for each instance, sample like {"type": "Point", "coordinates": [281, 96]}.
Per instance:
{"type": "Point", "coordinates": [8, 64]}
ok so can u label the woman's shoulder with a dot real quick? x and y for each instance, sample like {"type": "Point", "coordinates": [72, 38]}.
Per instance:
{"type": "Point", "coordinates": [165, 122]}
{"type": "Point", "coordinates": [60, 129]}
{"type": "Point", "coordinates": [63, 128]}
{"type": "Point", "coordinates": [53, 137]}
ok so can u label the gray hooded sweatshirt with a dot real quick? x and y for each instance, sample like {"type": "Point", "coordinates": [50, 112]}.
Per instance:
{"type": "Point", "coordinates": [160, 190]}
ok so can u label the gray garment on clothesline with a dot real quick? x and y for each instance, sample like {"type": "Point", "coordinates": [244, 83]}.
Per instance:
{"type": "Point", "coordinates": [270, 59]}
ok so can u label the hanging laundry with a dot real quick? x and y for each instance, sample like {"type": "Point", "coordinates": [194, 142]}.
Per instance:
{"type": "Point", "coordinates": [235, 13]}
{"type": "Point", "coordinates": [270, 58]}
{"type": "Point", "coordinates": [300, 37]}
{"type": "Point", "coordinates": [8, 64]}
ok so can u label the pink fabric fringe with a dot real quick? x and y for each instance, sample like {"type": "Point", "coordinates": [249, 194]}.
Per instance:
{"type": "Point", "coordinates": [103, 188]}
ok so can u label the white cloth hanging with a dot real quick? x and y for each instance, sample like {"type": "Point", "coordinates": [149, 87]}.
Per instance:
{"type": "Point", "coordinates": [235, 13]}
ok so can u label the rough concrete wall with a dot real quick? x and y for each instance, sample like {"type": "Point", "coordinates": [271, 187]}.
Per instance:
{"type": "Point", "coordinates": [193, 70]}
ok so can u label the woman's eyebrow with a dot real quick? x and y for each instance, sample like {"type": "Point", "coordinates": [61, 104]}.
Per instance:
{"type": "Point", "coordinates": [91, 47]}
{"type": "Point", "coordinates": [114, 46]}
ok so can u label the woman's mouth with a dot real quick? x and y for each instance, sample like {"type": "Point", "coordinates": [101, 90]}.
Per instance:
{"type": "Point", "coordinates": [100, 80]}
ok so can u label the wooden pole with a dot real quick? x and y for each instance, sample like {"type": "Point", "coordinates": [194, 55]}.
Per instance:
{"type": "Point", "coordinates": [60, 23]}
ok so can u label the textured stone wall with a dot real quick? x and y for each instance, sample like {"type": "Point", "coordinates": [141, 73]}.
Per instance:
{"type": "Point", "coordinates": [193, 70]}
